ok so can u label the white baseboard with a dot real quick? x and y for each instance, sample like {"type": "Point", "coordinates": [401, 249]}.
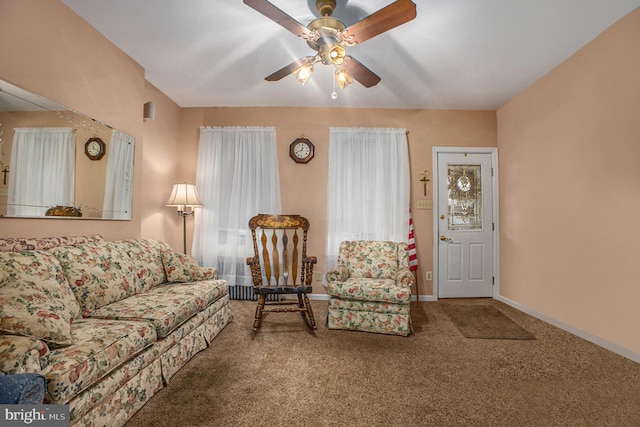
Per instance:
{"type": "Point", "coordinates": [425, 298]}
{"type": "Point", "coordinates": [625, 352]}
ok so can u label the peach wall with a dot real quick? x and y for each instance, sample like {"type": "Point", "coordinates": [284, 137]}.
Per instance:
{"type": "Point", "coordinates": [160, 169]}
{"type": "Point", "coordinates": [48, 49]}
{"type": "Point", "coordinates": [304, 186]}
{"type": "Point", "coordinates": [570, 193]}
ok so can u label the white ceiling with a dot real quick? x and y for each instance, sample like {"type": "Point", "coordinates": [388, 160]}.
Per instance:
{"type": "Point", "coordinates": [457, 54]}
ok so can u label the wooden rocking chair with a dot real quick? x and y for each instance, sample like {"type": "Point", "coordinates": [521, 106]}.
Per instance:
{"type": "Point", "coordinates": [280, 265]}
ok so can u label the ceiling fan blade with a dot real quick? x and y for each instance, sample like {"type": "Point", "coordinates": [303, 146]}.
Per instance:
{"type": "Point", "coordinates": [285, 71]}
{"type": "Point", "coordinates": [389, 17]}
{"type": "Point", "coordinates": [359, 72]}
{"type": "Point", "coordinates": [278, 16]}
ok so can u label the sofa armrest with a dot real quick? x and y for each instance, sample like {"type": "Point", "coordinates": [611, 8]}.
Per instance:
{"type": "Point", "coordinates": [22, 389]}
{"type": "Point", "coordinates": [20, 355]}
{"type": "Point", "coordinates": [338, 274]}
{"type": "Point", "coordinates": [405, 277]}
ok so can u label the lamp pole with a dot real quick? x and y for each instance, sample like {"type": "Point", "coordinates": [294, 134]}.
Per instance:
{"type": "Point", "coordinates": [184, 231]}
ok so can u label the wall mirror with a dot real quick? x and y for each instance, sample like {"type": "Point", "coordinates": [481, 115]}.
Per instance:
{"type": "Point", "coordinates": [58, 163]}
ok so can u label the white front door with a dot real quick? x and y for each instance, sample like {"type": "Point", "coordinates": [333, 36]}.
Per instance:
{"type": "Point", "coordinates": [465, 224]}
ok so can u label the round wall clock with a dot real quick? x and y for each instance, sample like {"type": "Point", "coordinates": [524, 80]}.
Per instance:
{"type": "Point", "coordinates": [95, 148]}
{"type": "Point", "coordinates": [301, 150]}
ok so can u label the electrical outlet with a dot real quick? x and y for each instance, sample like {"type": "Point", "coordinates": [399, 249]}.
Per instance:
{"type": "Point", "coordinates": [318, 277]}
{"type": "Point", "coordinates": [428, 276]}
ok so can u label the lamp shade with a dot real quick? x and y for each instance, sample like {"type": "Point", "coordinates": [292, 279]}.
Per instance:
{"type": "Point", "coordinates": [184, 195]}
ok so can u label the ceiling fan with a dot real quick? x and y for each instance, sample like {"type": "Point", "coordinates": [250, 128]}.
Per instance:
{"type": "Point", "coordinates": [330, 38]}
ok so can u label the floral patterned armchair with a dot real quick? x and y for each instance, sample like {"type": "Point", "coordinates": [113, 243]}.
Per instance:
{"type": "Point", "coordinates": [370, 288]}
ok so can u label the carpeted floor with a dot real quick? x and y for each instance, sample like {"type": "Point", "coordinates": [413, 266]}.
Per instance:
{"type": "Point", "coordinates": [435, 377]}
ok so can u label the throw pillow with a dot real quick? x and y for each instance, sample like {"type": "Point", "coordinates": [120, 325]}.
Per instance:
{"type": "Point", "coordinates": [35, 298]}
{"type": "Point", "coordinates": [99, 273]}
{"type": "Point", "coordinates": [181, 268]}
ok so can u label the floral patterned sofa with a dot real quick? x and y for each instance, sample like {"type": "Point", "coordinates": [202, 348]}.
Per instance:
{"type": "Point", "coordinates": [370, 288]}
{"type": "Point", "coordinates": [107, 323]}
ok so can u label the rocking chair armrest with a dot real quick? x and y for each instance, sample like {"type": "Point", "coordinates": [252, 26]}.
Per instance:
{"type": "Point", "coordinates": [405, 277]}
{"type": "Point", "coordinates": [338, 274]}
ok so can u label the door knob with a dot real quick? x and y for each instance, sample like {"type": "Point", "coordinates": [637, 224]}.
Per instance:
{"type": "Point", "coordinates": [444, 238]}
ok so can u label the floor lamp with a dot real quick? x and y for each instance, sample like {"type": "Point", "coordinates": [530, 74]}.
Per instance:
{"type": "Point", "coordinates": [184, 196]}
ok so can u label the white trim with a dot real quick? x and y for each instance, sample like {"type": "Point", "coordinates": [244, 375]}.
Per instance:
{"type": "Point", "coordinates": [622, 351]}
{"type": "Point", "coordinates": [493, 151]}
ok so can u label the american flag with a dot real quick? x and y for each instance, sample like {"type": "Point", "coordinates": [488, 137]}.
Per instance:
{"type": "Point", "coordinates": [413, 254]}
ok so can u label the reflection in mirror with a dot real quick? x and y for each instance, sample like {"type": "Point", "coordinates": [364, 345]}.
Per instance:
{"type": "Point", "coordinates": [55, 162]}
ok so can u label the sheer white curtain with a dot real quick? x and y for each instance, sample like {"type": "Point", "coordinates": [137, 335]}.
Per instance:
{"type": "Point", "coordinates": [119, 179]}
{"type": "Point", "coordinates": [368, 187]}
{"type": "Point", "coordinates": [237, 178]}
{"type": "Point", "coordinates": [42, 170]}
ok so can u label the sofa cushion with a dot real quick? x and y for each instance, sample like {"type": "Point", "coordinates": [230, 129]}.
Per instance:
{"type": "Point", "coordinates": [100, 346]}
{"type": "Point", "coordinates": [147, 261]}
{"type": "Point", "coordinates": [373, 259]}
{"type": "Point", "coordinates": [184, 268]}
{"type": "Point", "coordinates": [363, 289]}
{"type": "Point", "coordinates": [35, 297]}
{"type": "Point", "coordinates": [166, 306]}
{"type": "Point", "coordinates": [99, 273]}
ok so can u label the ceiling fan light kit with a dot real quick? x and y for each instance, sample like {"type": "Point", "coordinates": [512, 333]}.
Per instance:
{"type": "Point", "coordinates": [330, 38]}
{"type": "Point", "coordinates": [303, 73]}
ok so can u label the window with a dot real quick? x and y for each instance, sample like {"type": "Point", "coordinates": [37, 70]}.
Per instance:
{"type": "Point", "coordinates": [237, 178]}
{"type": "Point", "coordinates": [368, 187]}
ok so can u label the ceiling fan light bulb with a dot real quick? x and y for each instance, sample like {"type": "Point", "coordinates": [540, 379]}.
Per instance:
{"type": "Point", "coordinates": [304, 73]}
{"type": "Point", "coordinates": [334, 95]}
{"type": "Point", "coordinates": [337, 54]}
{"type": "Point", "coordinates": [343, 78]}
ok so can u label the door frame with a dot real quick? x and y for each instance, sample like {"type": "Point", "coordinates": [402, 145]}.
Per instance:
{"type": "Point", "coordinates": [493, 151]}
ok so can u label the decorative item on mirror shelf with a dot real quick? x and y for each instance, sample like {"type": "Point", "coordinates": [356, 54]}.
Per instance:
{"type": "Point", "coordinates": [64, 211]}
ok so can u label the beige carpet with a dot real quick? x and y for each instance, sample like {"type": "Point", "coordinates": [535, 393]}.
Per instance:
{"type": "Point", "coordinates": [484, 321]}
{"type": "Point", "coordinates": [436, 377]}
